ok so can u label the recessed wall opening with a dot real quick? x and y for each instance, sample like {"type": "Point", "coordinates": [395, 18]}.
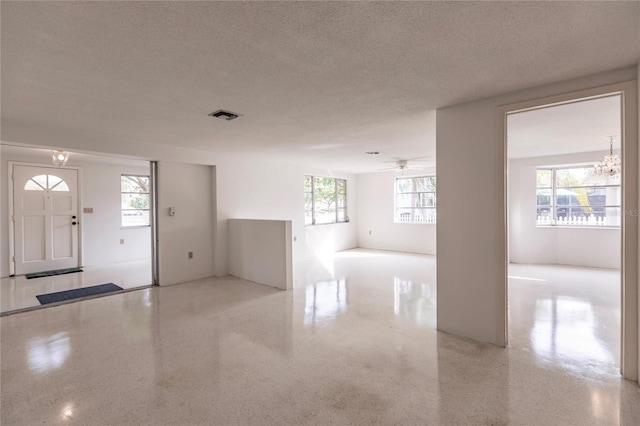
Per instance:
{"type": "Point", "coordinates": [564, 232]}
{"type": "Point", "coordinates": [90, 218]}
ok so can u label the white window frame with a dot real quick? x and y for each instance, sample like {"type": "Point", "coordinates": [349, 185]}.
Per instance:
{"type": "Point", "coordinates": [553, 221]}
{"type": "Point", "coordinates": [338, 209]}
{"type": "Point", "coordinates": [148, 209]}
{"type": "Point", "coordinates": [396, 213]}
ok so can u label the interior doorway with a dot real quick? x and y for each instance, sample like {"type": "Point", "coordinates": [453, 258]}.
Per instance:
{"type": "Point", "coordinates": [564, 232]}
{"type": "Point", "coordinates": [559, 223]}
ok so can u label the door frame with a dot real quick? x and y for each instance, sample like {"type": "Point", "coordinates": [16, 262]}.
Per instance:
{"type": "Point", "coordinates": [11, 212]}
{"type": "Point", "coordinates": [629, 229]}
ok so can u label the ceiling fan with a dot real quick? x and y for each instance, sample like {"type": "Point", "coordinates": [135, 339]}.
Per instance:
{"type": "Point", "coordinates": [402, 165]}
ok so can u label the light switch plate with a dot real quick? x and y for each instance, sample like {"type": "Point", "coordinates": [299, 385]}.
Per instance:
{"type": "Point", "coordinates": [87, 210]}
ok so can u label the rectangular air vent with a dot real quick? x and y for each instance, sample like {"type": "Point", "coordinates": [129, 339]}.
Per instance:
{"type": "Point", "coordinates": [224, 115]}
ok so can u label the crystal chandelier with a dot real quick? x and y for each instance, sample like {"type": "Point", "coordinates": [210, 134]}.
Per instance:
{"type": "Point", "coordinates": [611, 165]}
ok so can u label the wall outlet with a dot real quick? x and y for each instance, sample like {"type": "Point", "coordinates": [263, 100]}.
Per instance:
{"type": "Point", "coordinates": [190, 255]}
{"type": "Point", "coordinates": [121, 240]}
{"type": "Point", "coordinates": [370, 232]}
{"type": "Point", "coordinates": [295, 238]}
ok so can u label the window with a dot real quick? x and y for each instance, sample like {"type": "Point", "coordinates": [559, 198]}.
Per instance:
{"type": "Point", "coordinates": [44, 182]}
{"type": "Point", "coordinates": [135, 200]}
{"type": "Point", "coordinates": [325, 200]}
{"type": "Point", "coordinates": [416, 199]}
{"type": "Point", "coordinates": [575, 196]}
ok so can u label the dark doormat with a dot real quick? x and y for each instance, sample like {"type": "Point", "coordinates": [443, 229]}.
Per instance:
{"type": "Point", "coordinates": [77, 293]}
{"type": "Point", "coordinates": [52, 273]}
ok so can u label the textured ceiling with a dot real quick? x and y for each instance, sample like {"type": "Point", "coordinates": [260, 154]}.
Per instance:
{"type": "Point", "coordinates": [43, 156]}
{"type": "Point", "coordinates": [563, 129]}
{"type": "Point", "coordinates": [318, 83]}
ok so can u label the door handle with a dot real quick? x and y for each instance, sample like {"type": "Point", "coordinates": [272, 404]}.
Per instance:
{"type": "Point", "coordinates": [73, 223]}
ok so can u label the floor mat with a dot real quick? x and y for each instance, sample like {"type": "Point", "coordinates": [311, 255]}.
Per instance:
{"type": "Point", "coordinates": [52, 273]}
{"type": "Point", "coordinates": [77, 293]}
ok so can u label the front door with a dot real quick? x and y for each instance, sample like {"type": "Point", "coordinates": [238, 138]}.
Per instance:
{"type": "Point", "coordinates": [45, 215]}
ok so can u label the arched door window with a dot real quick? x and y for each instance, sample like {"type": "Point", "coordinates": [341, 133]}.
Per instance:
{"type": "Point", "coordinates": [46, 182]}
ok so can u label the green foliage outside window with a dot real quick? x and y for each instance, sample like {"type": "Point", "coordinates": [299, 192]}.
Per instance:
{"type": "Point", "coordinates": [134, 200]}
{"type": "Point", "coordinates": [325, 200]}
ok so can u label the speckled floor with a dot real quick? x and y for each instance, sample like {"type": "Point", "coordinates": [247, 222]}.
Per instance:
{"type": "Point", "coordinates": [20, 293]}
{"type": "Point", "coordinates": [353, 343]}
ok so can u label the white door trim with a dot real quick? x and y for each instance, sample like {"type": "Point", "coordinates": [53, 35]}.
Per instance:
{"type": "Point", "coordinates": [629, 268]}
{"type": "Point", "coordinates": [10, 206]}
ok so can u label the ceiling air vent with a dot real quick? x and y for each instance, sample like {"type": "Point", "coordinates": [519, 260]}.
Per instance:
{"type": "Point", "coordinates": [224, 115]}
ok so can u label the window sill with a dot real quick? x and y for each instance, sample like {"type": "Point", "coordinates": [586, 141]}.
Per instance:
{"type": "Point", "coordinates": [325, 224]}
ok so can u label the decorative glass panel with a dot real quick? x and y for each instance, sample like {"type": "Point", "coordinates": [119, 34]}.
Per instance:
{"type": "Point", "coordinates": [32, 185]}
{"type": "Point", "coordinates": [53, 181]}
{"type": "Point", "coordinates": [42, 182]}
{"type": "Point", "coordinates": [61, 187]}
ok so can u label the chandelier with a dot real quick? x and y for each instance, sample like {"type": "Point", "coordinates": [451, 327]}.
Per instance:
{"type": "Point", "coordinates": [59, 158]}
{"type": "Point", "coordinates": [611, 165]}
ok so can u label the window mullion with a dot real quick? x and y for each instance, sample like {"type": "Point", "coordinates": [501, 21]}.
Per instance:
{"type": "Point", "coordinates": [554, 211]}
{"type": "Point", "coordinates": [313, 200]}
{"type": "Point", "coordinates": [346, 215]}
{"type": "Point", "coordinates": [335, 191]}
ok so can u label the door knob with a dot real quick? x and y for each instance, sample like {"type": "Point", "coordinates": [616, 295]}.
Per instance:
{"type": "Point", "coordinates": [74, 222]}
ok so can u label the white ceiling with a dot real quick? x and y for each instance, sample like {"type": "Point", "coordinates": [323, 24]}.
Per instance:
{"type": "Point", "coordinates": [43, 156]}
{"type": "Point", "coordinates": [318, 83]}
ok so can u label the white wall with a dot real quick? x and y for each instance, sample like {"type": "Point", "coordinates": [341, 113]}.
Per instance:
{"type": "Point", "coordinates": [254, 189]}
{"type": "Point", "coordinates": [190, 189]}
{"type": "Point", "coordinates": [469, 272]}
{"type": "Point", "coordinates": [528, 243]}
{"type": "Point", "coordinates": [376, 214]}
{"type": "Point", "coordinates": [260, 251]}
{"type": "Point", "coordinates": [101, 231]}
{"type": "Point", "coordinates": [246, 188]}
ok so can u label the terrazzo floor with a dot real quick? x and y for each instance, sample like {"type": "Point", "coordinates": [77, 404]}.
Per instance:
{"type": "Point", "coordinates": [353, 343]}
{"type": "Point", "coordinates": [19, 293]}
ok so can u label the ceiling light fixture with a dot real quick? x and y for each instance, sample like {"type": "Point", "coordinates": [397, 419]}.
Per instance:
{"type": "Point", "coordinates": [59, 158]}
{"type": "Point", "coordinates": [611, 165]}
{"type": "Point", "coordinates": [224, 115]}
{"type": "Point", "coordinates": [372, 153]}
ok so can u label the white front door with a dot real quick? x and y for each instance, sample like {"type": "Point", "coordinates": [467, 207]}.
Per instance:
{"type": "Point", "coordinates": [45, 214]}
